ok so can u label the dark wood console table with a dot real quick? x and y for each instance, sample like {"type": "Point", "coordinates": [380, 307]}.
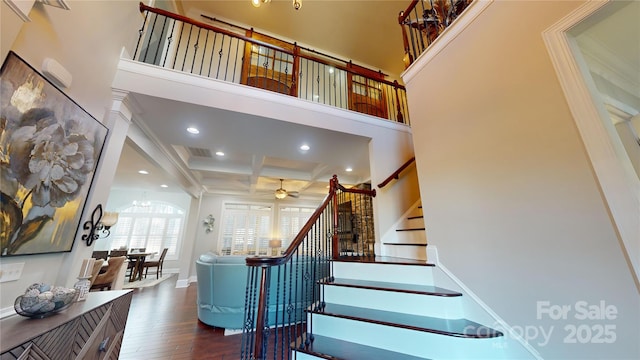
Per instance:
{"type": "Point", "coordinates": [89, 329]}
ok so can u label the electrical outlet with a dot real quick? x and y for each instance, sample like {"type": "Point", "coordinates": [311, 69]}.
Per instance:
{"type": "Point", "coordinates": [11, 272]}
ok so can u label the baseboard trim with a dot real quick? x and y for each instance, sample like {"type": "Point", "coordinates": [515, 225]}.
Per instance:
{"type": "Point", "coordinates": [432, 255]}
{"type": "Point", "coordinates": [6, 312]}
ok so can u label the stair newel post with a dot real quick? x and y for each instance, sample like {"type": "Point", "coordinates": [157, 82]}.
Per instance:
{"type": "Point", "coordinates": [400, 117]}
{"type": "Point", "coordinates": [335, 253]}
{"type": "Point", "coordinates": [295, 71]}
{"type": "Point", "coordinates": [261, 334]}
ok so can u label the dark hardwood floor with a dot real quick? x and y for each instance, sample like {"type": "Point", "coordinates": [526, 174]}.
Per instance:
{"type": "Point", "coordinates": [163, 324]}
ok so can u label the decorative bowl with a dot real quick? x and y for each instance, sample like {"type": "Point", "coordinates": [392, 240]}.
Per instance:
{"type": "Point", "coordinates": [42, 300]}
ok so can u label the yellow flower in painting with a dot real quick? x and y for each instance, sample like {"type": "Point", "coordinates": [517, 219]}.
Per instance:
{"type": "Point", "coordinates": [28, 95]}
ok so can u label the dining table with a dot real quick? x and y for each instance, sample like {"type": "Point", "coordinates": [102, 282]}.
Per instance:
{"type": "Point", "coordinates": [138, 259]}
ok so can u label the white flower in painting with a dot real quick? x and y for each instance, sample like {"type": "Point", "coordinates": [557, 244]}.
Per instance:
{"type": "Point", "coordinates": [57, 162]}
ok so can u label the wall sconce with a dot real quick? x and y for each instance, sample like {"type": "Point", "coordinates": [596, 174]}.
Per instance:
{"type": "Point", "coordinates": [208, 223]}
{"type": "Point", "coordinates": [99, 224]}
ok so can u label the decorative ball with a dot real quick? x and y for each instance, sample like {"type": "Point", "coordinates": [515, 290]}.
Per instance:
{"type": "Point", "coordinates": [40, 300]}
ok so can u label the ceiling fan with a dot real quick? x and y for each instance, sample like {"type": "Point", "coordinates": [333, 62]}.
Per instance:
{"type": "Point", "coordinates": [281, 193]}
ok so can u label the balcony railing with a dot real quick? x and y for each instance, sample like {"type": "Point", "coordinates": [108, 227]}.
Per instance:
{"type": "Point", "coordinates": [231, 53]}
{"type": "Point", "coordinates": [423, 21]}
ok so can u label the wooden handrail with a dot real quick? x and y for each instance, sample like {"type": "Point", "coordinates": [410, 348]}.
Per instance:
{"type": "Point", "coordinates": [286, 256]}
{"type": "Point", "coordinates": [396, 174]}
{"type": "Point", "coordinates": [187, 20]}
{"type": "Point", "coordinates": [403, 15]}
{"type": "Point", "coordinates": [203, 25]}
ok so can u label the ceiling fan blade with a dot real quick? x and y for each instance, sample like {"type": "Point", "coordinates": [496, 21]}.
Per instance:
{"type": "Point", "coordinates": [293, 194]}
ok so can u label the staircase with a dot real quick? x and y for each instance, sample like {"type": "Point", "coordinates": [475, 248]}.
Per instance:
{"type": "Point", "coordinates": [390, 308]}
{"type": "Point", "coordinates": [410, 238]}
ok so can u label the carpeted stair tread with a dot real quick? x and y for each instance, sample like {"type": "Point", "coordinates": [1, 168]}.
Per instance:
{"type": "Point", "coordinates": [397, 287]}
{"type": "Point", "coordinates": [335, 349]}
{"type": "Point", "coordinates": [451, 327]}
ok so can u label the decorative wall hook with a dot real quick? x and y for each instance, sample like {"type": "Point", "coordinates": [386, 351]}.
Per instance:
{"type": "Point", "coordinates": [208, 223]}
{"type": "Point", "coordinates": [99, 224]}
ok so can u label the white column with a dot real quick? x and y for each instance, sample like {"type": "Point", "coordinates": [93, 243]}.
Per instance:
{"type": "Point", "coordinates": [117, 120]}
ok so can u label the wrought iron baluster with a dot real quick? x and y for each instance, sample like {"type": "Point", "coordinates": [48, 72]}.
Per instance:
{"type": "Point", "coordinates": [226, 67]}
{"type": "Point", "coordinates": [169, 41]}
{"type": "Point", "coordinates": [235, 63]}
{"type": "Point", "coordinates": [213, 50]}
{"type": "Point", "coordinates": [220, 53]}
{"type": "Point", "coordinates": [146, 52]}
{"type": "Point", "coordinates": [140, 35]}
{"type": "Point", "coordinates": [186, 49]}
{"type": "Point", "coordinates": [204, 52]}
{"type": "Point", "coordinates": [195, 50]}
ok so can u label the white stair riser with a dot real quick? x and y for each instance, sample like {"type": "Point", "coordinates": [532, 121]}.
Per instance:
{"type": "Point", "coordinates": [303, 356]}
{"type": "Point", "coordinates": [416, 304]}
{"type": "Point", "coordinates": [406, 251]}
{"type": "Point", "coordinates": [414, 223]}
{"type": "Point", "coordinates": [405, 274]}
{"type": "Point", "coordinates": [416, 343]}
{"type": "Point", "coordinates": [410, 237]}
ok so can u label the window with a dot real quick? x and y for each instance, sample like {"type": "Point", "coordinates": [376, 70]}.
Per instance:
{"type": "Point", "coordinates": [246, 229]}
{"type": "Point", "coordinates": [291, 220]}
{"type": "Point", "coordinates": [153, 227]}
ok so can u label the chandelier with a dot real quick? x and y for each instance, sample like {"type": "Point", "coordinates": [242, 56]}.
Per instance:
{"type": "Point", "coordinates": [297, 4]}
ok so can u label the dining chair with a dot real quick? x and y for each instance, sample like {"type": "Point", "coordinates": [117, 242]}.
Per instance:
{"type": "Point", "coordinates": [116, 253]}
{"type": "Point", "coordinates": [109, 277]}
{"type": "Point", "coordinates": [155, 264]}
{"type": "Point", "coordinates": [100, 254]}
{"type": "Point", "coordinates": [97, 265]}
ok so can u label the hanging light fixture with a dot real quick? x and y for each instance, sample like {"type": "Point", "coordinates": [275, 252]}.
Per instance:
{"type": "Point", "coordinates": [257, 3]}
{"type": "Point", "coordinates": [297, 4]}
{"type": "Point", "coordinates": [144, 203]}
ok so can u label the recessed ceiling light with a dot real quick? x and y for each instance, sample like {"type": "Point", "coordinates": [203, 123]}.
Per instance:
{"type": "Point", "coordinates": [304, 147]}
{"type": "Point", "coordinates": [219, 153]}
{"type": "Point", "coordinates": [143, 172]}
{"type": "Point", "coordinates": [348, 169]}
{"type": "Point", "coordinates": [164, 186]}
{"type": "Point", "coordinates": [193, 130]}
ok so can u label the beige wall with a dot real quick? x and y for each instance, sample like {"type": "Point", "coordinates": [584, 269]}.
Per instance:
{"type": "Point", "coordinates": [509, 196]}
{"type": "Point", "coordinates": [87, 41]}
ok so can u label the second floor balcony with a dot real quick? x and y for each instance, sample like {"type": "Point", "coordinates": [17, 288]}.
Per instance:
{"type": "Point", "coordinates": [230, 53]}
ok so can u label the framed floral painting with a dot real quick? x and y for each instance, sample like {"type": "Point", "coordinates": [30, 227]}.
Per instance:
{"type": "Point", "coordinates": [49, 150]}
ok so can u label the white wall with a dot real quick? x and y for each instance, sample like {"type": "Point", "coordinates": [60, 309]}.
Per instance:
{"type": "Point", "coordinates": [508, 193]}
{"type": "Point", "coordinates": [71, 37]}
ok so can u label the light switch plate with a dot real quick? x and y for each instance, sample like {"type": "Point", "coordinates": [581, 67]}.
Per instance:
{"type": "Point", "coordinates": [10, 272]}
